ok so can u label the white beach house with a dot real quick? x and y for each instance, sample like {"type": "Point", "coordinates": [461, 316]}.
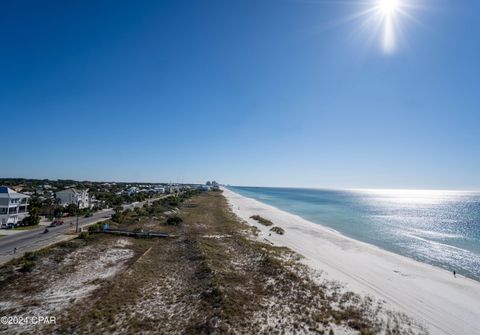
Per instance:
{"type": "Point", "coordinates": [13, 206]}
{"type": "Point", "coordinates": [74, 196]}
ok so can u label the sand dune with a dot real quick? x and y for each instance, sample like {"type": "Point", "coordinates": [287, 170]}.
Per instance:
{"type": "Point", "coordinates": [430, 295]}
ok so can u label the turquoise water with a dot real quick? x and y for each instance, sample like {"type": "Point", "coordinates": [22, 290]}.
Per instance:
{"type": "Point", "coordinates": [441, 228]}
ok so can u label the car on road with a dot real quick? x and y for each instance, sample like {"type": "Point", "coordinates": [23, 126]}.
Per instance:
{"type": "Point", "coordinates": [56, 223]}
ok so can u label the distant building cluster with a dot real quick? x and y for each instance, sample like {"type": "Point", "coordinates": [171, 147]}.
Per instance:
{"type": "Point", "coordinates": [210, 186]}
{"type": "Point", "coordinates": [152, 189]}
{"type": "Point", "coordinates": [49, 197]}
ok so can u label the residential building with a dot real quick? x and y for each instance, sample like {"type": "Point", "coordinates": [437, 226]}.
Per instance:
{"type": "Point", "coordinates": [132, 190]}
{"type": "Point", "coordinates": [74, 196]}
{"type": "Point", "coordinates": [172, 189]}
{"type": "Point", "coordinates": [13, 206]}
{"type": "Point", "coordinates": [159, 189]}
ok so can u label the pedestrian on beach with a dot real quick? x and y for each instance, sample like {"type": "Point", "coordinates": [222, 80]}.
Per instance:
{"type": "Point", "coordinates": [15, 250]}
{"type": "Point", "coordinates": [454, 274]}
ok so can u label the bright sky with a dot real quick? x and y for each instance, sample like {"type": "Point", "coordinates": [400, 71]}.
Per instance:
{"type": "Point", "coordinates": [281, 93]}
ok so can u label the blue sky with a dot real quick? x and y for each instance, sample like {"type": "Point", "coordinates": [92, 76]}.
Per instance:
{"type": "Point", "coordinates": [279, 93]}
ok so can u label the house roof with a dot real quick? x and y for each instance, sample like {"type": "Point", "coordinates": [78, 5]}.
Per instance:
{"type": "Point", "coordinates": [74, 190]}
{"type": "Point", "coordinates": [6, 192]}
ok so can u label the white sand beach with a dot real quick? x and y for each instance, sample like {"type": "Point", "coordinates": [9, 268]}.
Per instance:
{"type": "Point", "coordinates": [430, 295]}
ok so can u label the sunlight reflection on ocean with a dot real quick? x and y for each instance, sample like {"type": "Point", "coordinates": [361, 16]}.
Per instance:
{"type": "Point", "coordinates": [441, 228]}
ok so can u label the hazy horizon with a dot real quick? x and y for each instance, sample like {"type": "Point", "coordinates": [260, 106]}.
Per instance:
{"type": "Point", "coordinates": [312, 187]}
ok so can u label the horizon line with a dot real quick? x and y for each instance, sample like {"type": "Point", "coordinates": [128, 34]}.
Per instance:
{"type": "Point", "coordinates": [360, 188]}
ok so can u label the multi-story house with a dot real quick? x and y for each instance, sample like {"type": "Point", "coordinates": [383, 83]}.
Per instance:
{"type": "Point", "coordinates": [13, 207]}
{"type": "Point", "coordinates": [74, 196]}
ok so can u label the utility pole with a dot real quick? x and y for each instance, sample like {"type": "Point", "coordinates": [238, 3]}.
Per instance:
{"type": "Point", "coordinates": [78, 210]}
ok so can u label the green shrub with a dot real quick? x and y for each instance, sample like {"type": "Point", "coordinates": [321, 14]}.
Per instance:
{"type": "Point", "coordinates": [118, 217]}
{"type": "Point", "coordinates": [278, 230]}
{"type": "Point", "coordinates": [71, 210]}
{"type": "Point", "coordinates": [95, 227]}
{"type": "Point", "coordinates": [84, 235]}
{"type": "Point", "coordinates": [173, 201]}
{"type": "Point", "coordinates": [30, 256]}
{"type": "Point", "coordinates": [31, 220]}
{"type": "Point", "coordinates": [261, 220]}
{"type": "Point", "coordinates": [174, 221]}
{"type": "Point", "coordinates": [27, 266]}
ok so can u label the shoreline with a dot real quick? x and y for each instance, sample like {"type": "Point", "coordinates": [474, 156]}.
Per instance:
{"type": "Point", "coordinates": [431, 295]}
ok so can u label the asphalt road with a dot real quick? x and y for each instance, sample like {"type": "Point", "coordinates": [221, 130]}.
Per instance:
{"type": "Point", "coordinates": [35, 239]}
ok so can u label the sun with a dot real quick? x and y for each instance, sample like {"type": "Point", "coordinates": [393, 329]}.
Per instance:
{"type": "Point", "coordinates": [388, 12]}
{"type": "Point", "coordinates": [388, 7]}
{"type": "Point", "coordinates": [385, 20]}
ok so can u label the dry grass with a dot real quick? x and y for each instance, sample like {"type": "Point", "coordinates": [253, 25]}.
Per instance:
{"type": "Point", "coordinates": [213, 277]}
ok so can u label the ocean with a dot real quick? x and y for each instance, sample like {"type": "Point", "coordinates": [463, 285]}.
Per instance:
{"type": "Point", "coordinates": [441, 228]}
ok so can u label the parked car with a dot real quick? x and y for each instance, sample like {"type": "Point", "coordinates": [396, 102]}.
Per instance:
{"type": "Point", "coordinates": [56, 223]}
